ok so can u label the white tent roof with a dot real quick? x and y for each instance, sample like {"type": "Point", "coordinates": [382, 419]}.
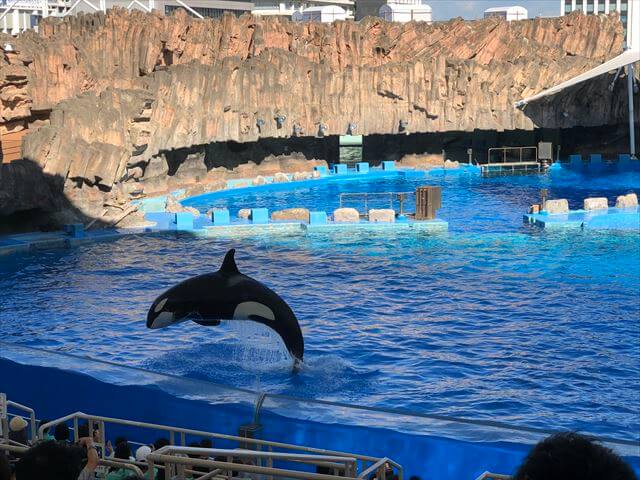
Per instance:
{"type": "Point", "coordinates": [630, 56]}
{"type": "Point", "coordinates": [325, 9]}
{"type": "Point", "coordinates": [403, 7]}
{"type": "Point", "coordinates": [506, 9]}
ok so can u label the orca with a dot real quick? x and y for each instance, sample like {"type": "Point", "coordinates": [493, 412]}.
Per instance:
{"type": "Point", "coordinates": [227, 295]}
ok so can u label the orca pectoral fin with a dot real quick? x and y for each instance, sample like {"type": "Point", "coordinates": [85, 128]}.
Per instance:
{"type": "Point", "coordinates": [207, 323]}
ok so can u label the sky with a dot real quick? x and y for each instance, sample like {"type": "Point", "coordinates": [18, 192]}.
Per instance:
{"type": "Point", "coordinates": [470, 9]}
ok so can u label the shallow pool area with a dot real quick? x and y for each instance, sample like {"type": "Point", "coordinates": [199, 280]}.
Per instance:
{"type": "Point", "coordinates": [493, 320]}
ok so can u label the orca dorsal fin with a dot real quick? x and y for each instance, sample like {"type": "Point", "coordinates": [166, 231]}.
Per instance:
{"type": "Point", "coordinates": [229, 263]}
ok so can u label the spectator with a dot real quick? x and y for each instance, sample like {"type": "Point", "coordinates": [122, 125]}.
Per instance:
{"type": "Point", "coordinates": [18, 430]}
{"type": "Point", "coordinates": [46, 433]}
{"type": "Point", "coordinates": [83, 430]}
{"type": "Point", "coordinates": [121, 452]}
{"type": "Point", "coordinates": [57, 461]}
{"type": "Point", "coordinates": [571, 456]}
{"type": "Point", "coordinates": [142, 453]}
{"type": "Point", "coordinates": [157, 445]}
{"type": "Point", "coordinates": [414, 477]}
{"type": "Point", "coordinates": [61, 433]}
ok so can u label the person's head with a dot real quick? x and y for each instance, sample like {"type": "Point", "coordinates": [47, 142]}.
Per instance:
{"type": "Point", "coordinates": [142, 453]}
{"type": "Point", "coordinates": [414, 477]}
{"type": "Point", "coordinates": [159, 443]}
{"type": "Point", "coordinates": [206, 443]}
{"type": "Point", "coordinates": [123, 450]}
{"type": "Point", "coordinates": [50, 460]}
{"type": "Point", "coordinates": [61, 432]}
{"type": "Point", "coordinates": [569, 456]}
{"type": "Point", "coordinates": [83, 430]}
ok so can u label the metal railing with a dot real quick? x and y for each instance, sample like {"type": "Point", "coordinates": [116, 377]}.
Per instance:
{"type": "Point", "coordinates": [5, 405]}
{"type": "Point", "coordinates": [223, 463]}
{"type": "Point", "coordinates": [318, 455]}
{"type": "Point", "coordinates": [500, 158]}
{"type": "Point", "coordinates": [493, 476]}
{"type": "Point", "coordinates": [381, 197]}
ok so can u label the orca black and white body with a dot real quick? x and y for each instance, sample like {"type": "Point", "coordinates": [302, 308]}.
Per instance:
{"type": "Point", "coordinates": [227, 295]}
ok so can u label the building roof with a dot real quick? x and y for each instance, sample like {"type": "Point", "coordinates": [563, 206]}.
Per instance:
{"type": "Point", "coordinates": [630, 56]}
{"type": "Point", "coordinates": [403, 7]}
{"type": "Point", "coordinates": [325, 9]}
{"type": "Point", "coordinates": [506, 9]}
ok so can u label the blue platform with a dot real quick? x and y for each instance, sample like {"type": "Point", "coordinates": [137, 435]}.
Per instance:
{"type": "Point", "coordinates": [340, 168]}
{"type": "Point", "coordinates": [362, 167]}
{"type": "Point", "coordinates": [221, 216]}
{"type": "Point", "coordinates": [610, 219]}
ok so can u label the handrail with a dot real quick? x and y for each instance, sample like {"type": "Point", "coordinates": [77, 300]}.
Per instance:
{"type": "Point", "coordinates": [493, 476]}
{"type": "Point", "coordinates": [200, 433]}
{"type": "Point", "coordinates": [5, 403]}
{"type": "Point", "coordinates": [366, 195]}
{"type": "Point", "coordinates": [175, 455]}
{"type": "Point", "coordinates": [504, 154]}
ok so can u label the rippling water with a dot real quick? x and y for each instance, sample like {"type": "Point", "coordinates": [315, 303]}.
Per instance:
{"type": "Point", "coordinates": [493, 320]}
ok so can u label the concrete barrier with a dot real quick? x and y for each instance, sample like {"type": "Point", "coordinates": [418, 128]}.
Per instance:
{"type": "Point", "coordinates": [322, 170]}
{"type": "Point", "coordinates": [595, 157]}
{"type": "Point", "coordinates": [346, 215]}
{"type": "Point", "coordinates": [386, 215]}
{"type": "Point", "coordinates": [630, 200]}
{"type": "Point", "coordinates": [596, 203]}
{"type": "Point", "coordinates": [560, 205]}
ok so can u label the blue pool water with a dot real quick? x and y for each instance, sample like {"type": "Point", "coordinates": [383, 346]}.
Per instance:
{"type": "Point", "coordinates": [494, 320]}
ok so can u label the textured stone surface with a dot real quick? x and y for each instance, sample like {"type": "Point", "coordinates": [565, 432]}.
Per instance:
{"type": "Point", "coordinates": [117, 98]}
{"type": "Point", "coordinates": [386, 215]}
{"type": "Point", "coordinates": [300, 214]}
{"type": "Point", "coordinates": [560, 205]}
{"type": "Point", "coordinates": [451, 165]}
{"type": "Point", "coordinates": [423, 162]}
{"type": "Point", "coordinates": [596, 203]}
{"type": "Point", "coordinates": [627, 201]}
{"type": "Point", "coordinates": [346, 215]}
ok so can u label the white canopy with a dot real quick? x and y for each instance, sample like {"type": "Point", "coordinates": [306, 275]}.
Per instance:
{"type": "Point", "coordinates": [630, 56]}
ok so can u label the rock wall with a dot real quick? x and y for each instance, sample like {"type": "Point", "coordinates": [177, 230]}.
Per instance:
{"type": "Point", "coordinates": [104, 95]}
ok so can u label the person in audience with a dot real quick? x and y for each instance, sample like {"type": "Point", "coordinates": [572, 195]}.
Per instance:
{"type": "Point", "coordinates": [61, 433]}
{"type": "Point", "coordinates": [57, 461]}
{"type": "Point", "coordinates": [572, 456]}
{"type": "Point", "coordinates": [18, 430]}
{"type": "Point", "coordinates": [157, 445]}
{"type": "Point", "coordinates": [83, 430]}
{"type": "Point", "coordinates": [414, 477]}
{"type": "Point", "coordinates": [46, 434]}
{"type": "Point", "coordinates": [121, 452]}
{"type": "Point", "coordinates": [141, 456]}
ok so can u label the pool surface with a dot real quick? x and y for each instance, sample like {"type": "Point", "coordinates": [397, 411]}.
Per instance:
{"type": "Point", "coordinates": [494, 320]}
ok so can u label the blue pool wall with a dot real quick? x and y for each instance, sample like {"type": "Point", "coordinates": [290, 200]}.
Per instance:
{"type": "Point", "coordinates": [55, 392]}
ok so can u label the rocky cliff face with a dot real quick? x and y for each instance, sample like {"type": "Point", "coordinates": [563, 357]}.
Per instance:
{"type": "Point", "coordinates": [105, 96]}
